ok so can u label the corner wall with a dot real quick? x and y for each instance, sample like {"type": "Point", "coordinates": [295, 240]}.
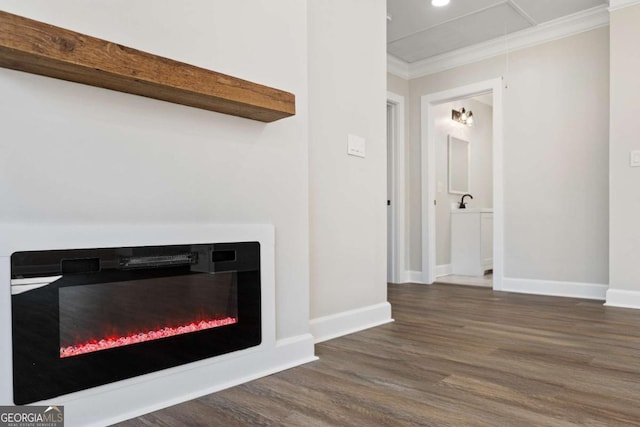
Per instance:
{"type": "Point", "coordinates": [397, 85]}
{"type": "Point", "coordinates": [624, 289]}
{"type": "Point", "coordinates": [347, 93]}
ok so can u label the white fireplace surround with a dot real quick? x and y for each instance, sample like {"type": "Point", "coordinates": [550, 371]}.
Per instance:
{"type": "Point", "coordinates": [125, 399]}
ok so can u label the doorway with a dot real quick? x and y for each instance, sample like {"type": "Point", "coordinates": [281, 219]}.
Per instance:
{"type": "Point", "coordinates": [463, 150]}
{"type": "Point", "coordinates": [429, 108]}
{"type": "Point", "coordinates": [396, 270]}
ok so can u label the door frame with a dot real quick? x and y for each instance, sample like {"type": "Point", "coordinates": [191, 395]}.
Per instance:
{"type": "Point", "coordinates": [398, 197]}
{"type": "Point", "coordinates": [428, 172]}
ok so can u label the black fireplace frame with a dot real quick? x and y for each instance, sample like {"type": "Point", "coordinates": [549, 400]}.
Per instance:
{"type": "Point", "coordinates": [38, 371]}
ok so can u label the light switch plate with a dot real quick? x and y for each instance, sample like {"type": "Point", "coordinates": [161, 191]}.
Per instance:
{"type": "Point", "coordinates": [356, 146]}
{"type": "Point", "coordinates": [634, 159]}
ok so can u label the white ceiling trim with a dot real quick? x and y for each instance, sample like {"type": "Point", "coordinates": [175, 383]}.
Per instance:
{"type": "Point", "coordinates": [553, 30]}
{"type": "Point", "coordinates": [397, 67]}
{"type": "Point", "coordinates": [543, 33]}
{"type": "Point", "coordinates": [620, 4]}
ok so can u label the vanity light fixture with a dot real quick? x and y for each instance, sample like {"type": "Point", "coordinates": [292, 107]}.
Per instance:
{"type": "Point", "coordinates": [463, 116]}
{"type": "Point", "coordinates": [439, 3]}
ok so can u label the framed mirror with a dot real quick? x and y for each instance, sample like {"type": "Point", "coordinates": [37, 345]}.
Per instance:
{"type": "Point", "coordinates": [459, 159]}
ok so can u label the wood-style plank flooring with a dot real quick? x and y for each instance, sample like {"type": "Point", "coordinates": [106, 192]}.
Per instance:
{"type": "Point", "coordinates": [455, 356]}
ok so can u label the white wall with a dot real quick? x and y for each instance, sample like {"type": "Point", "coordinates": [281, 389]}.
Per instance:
{"type": "Point", "coordinates": [81, 155]}
{"type": "Point", "coordinates": [347, 92]}
{"type": "Point", "coordinates": [556, 156]}
{"type": "Point", "coordinates": [397, 85]}
{"type": "Point", "coordinates": [480, 137]}
{"type": "Point", "coordinates": [625, 137]}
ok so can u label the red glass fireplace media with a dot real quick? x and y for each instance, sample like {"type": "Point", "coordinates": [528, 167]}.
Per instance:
{"type": "Point", "coordinates": [101, 315]}
{"type": "Point", "coordinates": [113, 342]}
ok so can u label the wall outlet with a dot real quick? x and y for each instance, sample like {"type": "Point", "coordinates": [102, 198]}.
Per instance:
{"type": "Point", "coordinates": [356, 146]}
{"type": "Point", "coordinates": [634, 159]}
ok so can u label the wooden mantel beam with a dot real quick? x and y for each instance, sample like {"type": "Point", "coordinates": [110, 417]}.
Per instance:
{"type": "Point", "coordinates": [39, 48]}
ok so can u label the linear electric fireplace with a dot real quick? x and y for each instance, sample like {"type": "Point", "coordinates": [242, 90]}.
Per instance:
{"type": "Point", "coordinates": [87, 317]}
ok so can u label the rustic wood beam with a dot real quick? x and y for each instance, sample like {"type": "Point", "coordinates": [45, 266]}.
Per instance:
{"type": "Point", "coordinates": [39, 48]}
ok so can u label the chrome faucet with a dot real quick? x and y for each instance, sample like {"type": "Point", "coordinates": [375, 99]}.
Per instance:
{"type": "Point", "coordinates": [462, 204]}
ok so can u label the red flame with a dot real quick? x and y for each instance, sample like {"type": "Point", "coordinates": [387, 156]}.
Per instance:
{"type": "Point", "coordinates": [106, 343]}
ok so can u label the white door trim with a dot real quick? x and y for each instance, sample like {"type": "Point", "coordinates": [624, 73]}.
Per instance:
{"type": "Point", "coordinates": [428, 170]}
{"type": "Point", "coordinates": [398, 141]}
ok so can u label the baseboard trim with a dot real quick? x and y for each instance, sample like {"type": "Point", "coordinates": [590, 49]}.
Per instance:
{"type": "Point", "coordinates": [623, 299]}
{"type": "Point", "coordinates": [444, 270]}
{"type": "Point", "coordinates": [593, 291]}
{"type": "Point", "coordinates": [415, 277]}
{"type": "Point", "coordinates": [404, 276]}
{"type": "Point", "coordinates": [347, 322]}
{"type": "Point", "coordinates": [187, 382]}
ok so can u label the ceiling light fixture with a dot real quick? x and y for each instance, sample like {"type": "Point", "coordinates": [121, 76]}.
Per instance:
{"type": "Point", "coordinates": [463, 116]}
{"type": "Point", "coordinates": [439, 3]}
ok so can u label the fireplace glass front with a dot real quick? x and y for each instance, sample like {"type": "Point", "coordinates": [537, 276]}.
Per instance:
{"type": "Point", "coordinates": [88, 317]}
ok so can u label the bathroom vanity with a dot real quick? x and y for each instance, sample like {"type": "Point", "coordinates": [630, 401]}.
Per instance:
{"type": "Point", "coordinates": [471, 241]}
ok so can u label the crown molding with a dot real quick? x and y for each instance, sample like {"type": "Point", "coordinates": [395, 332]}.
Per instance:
{"type": "Point", "coordinates": [621, 4]}
{"type": "Point", "coordinates": [397, 67]}
{"type": "Point", "coordinates": [553, 30]}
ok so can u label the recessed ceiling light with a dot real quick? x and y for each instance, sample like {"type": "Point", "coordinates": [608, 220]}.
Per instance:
{"type": "Point", "coordinates": [439, 3]}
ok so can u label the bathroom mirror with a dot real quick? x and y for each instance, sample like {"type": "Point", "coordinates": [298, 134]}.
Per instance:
{"type": "Point", "coordinates": [459, 157]}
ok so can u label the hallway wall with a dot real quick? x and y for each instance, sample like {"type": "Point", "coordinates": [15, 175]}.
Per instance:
{"type": "Point", "coordinates": [625, 137]}
{"type": "Point", "coordinates": [556, 144]}
{"type": "Point", "coordinates": [347, 194]}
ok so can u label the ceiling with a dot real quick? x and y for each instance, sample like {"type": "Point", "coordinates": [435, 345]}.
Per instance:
{"type": "Point", "coordinates": [417, 30]}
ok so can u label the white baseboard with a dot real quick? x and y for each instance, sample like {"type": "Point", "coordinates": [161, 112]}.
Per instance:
{"type": "Point", "coordinates": [339, 324]}
{"type": "Point", "coordinates": [443, 270]}
{"type": "Point", "coordinates": [624, 299]}
{"type": "Point", "coordinates": [555, 288]}
{"type": "Point", "coordinates": [403, 276]}
{"type": "Point", "coordinates": [134, 397]}
{"type": "Point", "coordinates": [415, 277]}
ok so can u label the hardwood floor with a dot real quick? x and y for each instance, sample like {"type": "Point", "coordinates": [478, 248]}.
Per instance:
{"type": "Point", "coordinates": [484, 281]}
{"type": "Point", "coordinates": [455, 356]}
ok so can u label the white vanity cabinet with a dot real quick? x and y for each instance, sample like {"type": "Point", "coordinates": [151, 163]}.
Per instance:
{"type": "Point", "coordinates": [471, 241]}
